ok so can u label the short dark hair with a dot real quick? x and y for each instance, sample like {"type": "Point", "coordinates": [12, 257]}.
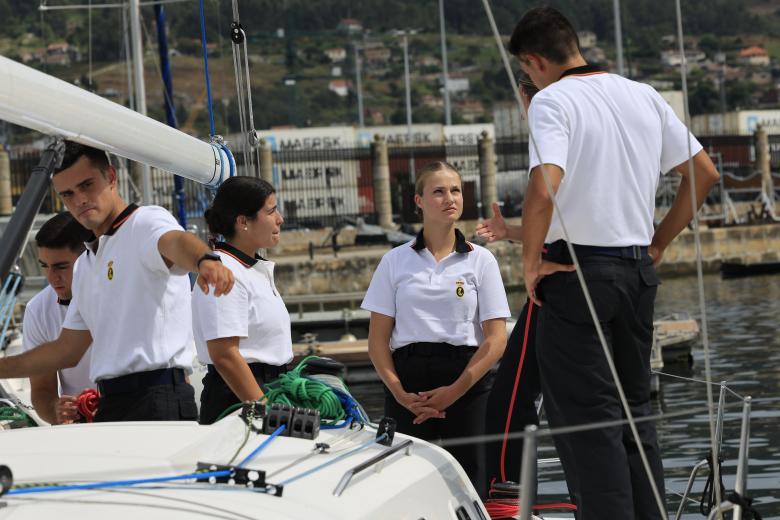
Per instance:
{"type": "Point", "coordinates": [63, 231]}
{"type": "Point", "coordinates": [547, 32]}
{"type": "Point", "coordinates": [237, 196]}
{"type": "Point", "coordinates": [75, 151]}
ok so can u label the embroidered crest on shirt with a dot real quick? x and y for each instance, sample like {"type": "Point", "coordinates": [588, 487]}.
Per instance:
{"type": "Point", "coordinates": [459, 290]}
{"type": "Point", "coordinates": [110, 273]}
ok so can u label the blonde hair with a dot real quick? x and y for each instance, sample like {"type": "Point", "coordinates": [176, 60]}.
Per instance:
{"type": "Point", "coordinates": [428, 170]}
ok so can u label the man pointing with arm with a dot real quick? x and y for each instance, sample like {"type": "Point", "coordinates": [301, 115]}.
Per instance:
{"type": "Point", "coordinates": [131, 295]}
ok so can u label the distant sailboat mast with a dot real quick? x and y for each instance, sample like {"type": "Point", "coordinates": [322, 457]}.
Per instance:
{"type": "Point", "coordinates": [140, 88]}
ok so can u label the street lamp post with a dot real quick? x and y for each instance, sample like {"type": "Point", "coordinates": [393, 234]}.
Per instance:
{"type": "Point", "coordinates": [359, 82]}
{"type": "Point", "coordinates": [447, 110]}
{"type": "Point", "coordinates": [408, 105]}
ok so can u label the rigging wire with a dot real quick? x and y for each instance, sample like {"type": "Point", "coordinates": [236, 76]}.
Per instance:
{"type": "Point", "coordinates": [213, 130]}
{"type": "Point", "coordinates": [240, 49]}
{"type": "Point", "coordinates": [694, 380]}
{"type": "Point", "coordinates": [699, 271]}
{"type": "Point", "coordinates": [581, 279]}
{"type": "Point", "coordinates": [563, 430]}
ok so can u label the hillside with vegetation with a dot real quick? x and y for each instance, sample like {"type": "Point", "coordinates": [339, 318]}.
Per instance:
{"type": "Point", "coordinates": [301, 78]}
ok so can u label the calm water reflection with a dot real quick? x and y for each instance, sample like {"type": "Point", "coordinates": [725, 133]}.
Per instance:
{"type": "Point", "coordinates": [743, 316]}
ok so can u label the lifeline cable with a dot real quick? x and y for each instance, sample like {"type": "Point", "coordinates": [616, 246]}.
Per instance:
{"type": "Point", "coordinates": [581, 279]}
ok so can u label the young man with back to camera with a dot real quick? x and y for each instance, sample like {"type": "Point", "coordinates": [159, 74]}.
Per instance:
{"type": "Point", "coordinates": [604, 141]}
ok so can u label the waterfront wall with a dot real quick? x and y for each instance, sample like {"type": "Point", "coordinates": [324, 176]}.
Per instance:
{"type": "Point", "coordinates": [352, 269]}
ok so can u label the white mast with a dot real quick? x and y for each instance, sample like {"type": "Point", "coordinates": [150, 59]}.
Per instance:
{"type": "Point", "coordinates": [49, 105]}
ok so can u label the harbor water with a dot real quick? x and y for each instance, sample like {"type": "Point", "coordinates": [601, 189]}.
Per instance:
{"type": "Point", "coordinates": [743, 316]}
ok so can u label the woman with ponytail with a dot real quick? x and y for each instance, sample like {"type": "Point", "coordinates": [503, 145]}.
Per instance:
{"type": "Point", "coordinates": [243, 337]}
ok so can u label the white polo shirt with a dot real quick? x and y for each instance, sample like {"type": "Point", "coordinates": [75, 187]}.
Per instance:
{"type": "Point", "coordinates": [253, 311]}
{"type": "Point", "coordinates": [43, 317]}
{"type": "Point", "coordinates": [612, 137]}
{"type": "Point", "coordinates": [137, 310]}
{"type": "Point", "coordinates": [437, 302]}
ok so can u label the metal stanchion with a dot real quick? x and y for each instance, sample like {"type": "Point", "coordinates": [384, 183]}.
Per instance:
{"type": "Point", "coordinates": [742, 462]}
{"type": "Point", "coordinates": [528, 473]}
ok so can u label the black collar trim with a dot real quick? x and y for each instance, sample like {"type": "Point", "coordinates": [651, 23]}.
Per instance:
{"type": "Point", "coordinates": [92, 243]}
{"type": "Point", "coordinates": [461, 246]}
{"type": "Point", "coordinates": [581, 70]}
{"type": "Point", "coordinates": [63, 302]}
{"type": "Point", "coordinates": [121, 219]}
{"type": "Point", "coordinates": [243, 258]}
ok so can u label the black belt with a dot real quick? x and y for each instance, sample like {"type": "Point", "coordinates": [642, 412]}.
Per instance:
{"type": "Point", "coordinates": [264, 371]}
{"type": "Point", "coordinates": [558, 252]}
{"type": "Point", "coordinates": [423, 349]}
{"type": "Point", "coordinates": [141, 380]}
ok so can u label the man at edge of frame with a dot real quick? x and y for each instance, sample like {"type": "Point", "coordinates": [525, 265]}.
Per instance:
{"type": "Point", "coordinates": [131, 295]}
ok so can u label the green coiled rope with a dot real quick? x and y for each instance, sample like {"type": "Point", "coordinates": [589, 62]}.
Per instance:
{"type": "Point", "coordinates": [9, 413]}
{"type": "Point", "coordinates": [293, 389]}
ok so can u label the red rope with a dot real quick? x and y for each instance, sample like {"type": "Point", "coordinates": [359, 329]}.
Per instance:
{"type": "Point", "coordinates": [514, 390]}
{"type": "Point", "coordinates": [87, 402]}
{"type": "Point", "coordinates": [509, 508]}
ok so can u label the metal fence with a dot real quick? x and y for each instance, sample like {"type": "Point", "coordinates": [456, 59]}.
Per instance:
{"type": "Point", "coordinates": [318, 188]}
{"type": "Point", "coordinates": [22, 163]}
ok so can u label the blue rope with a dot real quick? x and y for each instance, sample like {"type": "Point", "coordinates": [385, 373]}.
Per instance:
{"type": "Point", "coordinates": [333, 461]}
{"type": "Point", "coordinates": [231, 160]}
{"type": "Point", "coordinates": [343, 424]}
{"type": "Point", "coordinates": [133, 482]}
{"type": "Point", "coordinates": [116, 483]}
{"type": "Point", "coordinates": [231, 163]}
{"type": "Point", "coordinates": [262, 446]}
{"type": "Point", "coordinates": [206, 66]}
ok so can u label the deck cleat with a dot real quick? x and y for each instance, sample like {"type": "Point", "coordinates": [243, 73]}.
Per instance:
{"type": "Point", "coordinates": [386, 426]}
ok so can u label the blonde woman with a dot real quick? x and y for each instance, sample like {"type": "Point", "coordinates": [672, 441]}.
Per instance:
{"type": "Point", "coordinates": [438, 310]}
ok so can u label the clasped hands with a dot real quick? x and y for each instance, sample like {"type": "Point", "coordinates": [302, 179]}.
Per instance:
{"type": "Point", "coordinates": [430, 404]}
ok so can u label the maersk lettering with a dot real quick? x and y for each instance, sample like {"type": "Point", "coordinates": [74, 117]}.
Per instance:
{"type": "Point", "coordinates": [310, 172]}
{"type": "Point", "coordinates": [310, 143]}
